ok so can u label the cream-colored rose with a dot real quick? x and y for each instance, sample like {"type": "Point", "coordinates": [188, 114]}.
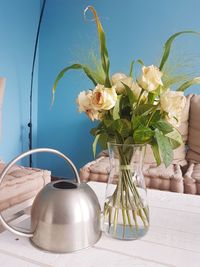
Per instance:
{"type": "Point", "coordinates": [173, 103]}
{"type": "Point", "coordinates": [136, 89]}
{"type": "Point", "coordinates": [119, 79]}
{"type": "Point", "coordinates": [103, 98]}
{"type": "Point", "coordinates": [150, 78]}
{"type": "Point", "coordinates": [93, 114]}
{"type": "Point", "coordinates": [84, 102]}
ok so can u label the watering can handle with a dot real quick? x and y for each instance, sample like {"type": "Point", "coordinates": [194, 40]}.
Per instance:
{"type": "Point", "coordinates": [6, 169]}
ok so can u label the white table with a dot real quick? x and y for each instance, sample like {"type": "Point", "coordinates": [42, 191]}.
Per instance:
{"type": "Point", "coordinates": [173, 240]}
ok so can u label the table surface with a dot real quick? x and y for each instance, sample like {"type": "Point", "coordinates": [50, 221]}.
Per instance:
{"type": "Point", "coordinates": [173, 240]}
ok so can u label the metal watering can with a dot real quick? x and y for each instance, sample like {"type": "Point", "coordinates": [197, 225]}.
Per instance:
{"type": "Point", "coordinates": [65, 216]}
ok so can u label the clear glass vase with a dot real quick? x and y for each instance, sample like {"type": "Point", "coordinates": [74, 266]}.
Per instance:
{"type": "Point", "coordinates": [126, 212]}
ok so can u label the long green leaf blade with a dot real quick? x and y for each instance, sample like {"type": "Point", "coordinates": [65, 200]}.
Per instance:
{"type": "Point", "coordinates": [94, 145]}
{"type": "Point", "coordinates": [167, 46]}
{"type": "Point", "coordinates": [140, 62]}
{"type": "Point", "coordinates": [103, 49]}
{"type": "Point", "coordinates": [87, 71]}
{"type": "Point", "coordinates": [131, 68]}
{"type": "Point", "coordinates": [189, 83]}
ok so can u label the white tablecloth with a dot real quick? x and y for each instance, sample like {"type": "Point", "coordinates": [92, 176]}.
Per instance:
{"type": "Point", "coordinates": [173, 240]}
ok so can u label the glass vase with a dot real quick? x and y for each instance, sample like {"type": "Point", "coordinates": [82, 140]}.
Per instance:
{"type": "Point", "coordinates": [126, 212]}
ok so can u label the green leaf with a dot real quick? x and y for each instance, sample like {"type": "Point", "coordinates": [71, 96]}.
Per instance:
{"type": "Point", "coordinates": [138, 121]}
{"type": "Point", "coordinates": [108, 123]}
{"type": "Point", "coordinates": [122, 127]}
{"type": "Point", "coordinates": [156, 117]}
{"type": "Point", "coordinates": [103, 140]}
{"type": "Point", "coordinates": [97, 130]}
{"type": "Point", "coordinates": [131, 68]}
{"type": "Point", "coordinates": [163, 126]}
{"type": "Point", "coordinates": [189, 83]}
{"type": "Point", "coordinates": [175, 138]}
{"type": "Point", "coordinates": [102, 42]}
{"type": "Point", "coordinates": [151, 98]}
{"type": "Point", "coordinates": [125, 107]}
{"type": "Point", "coordinates": [86, 69]}
{"type": "Point", "coordinates": [142, 135]}
{"type": "Point", "coordinates": [108, 127]}
{"type": "Point", "coordinates": [94, 145]}
{"type": "Point", "coordinates": [156, 152]}
{"type": "Point", "coordinates": [165, 147]}
{"type": "Point", "coordinates": [168, 44]}
{"type": "Point", "coordinates": [140, 62]}
{"type": "Point", "coordinates": [144, 109]}
{"type": "Point", "coordinates": [130, 94]}
{"type": "Point", "coordinates": [116, 108]}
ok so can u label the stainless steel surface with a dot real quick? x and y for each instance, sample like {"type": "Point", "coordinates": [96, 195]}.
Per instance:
{"type": "Point", "coordinates": [65, 216]}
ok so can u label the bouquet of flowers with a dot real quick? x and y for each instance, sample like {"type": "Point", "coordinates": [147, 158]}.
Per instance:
{"type": "Point", "coordinates": [141, 110]}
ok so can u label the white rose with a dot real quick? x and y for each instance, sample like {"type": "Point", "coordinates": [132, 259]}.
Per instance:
{"type": "Point", "coordinates": [173, 103]}
{"type": "Point", "coordinates": [93, 114]}
{"type": "Point", "coordinates": [84, 102]}
{"type": "Point", "coordinates": [103, 98]}
{"type": "Point", "coordinates": [136, 89]}
{"type": "Point", "coordinates": [118, 79]}
{"type": "Point", "coordinates": [150, 78]}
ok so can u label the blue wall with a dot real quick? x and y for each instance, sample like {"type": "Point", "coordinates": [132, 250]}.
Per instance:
{"type": "Point", "coordinates": [134, 29]}
{"type": "Point", "coordinates": [18, 25]}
